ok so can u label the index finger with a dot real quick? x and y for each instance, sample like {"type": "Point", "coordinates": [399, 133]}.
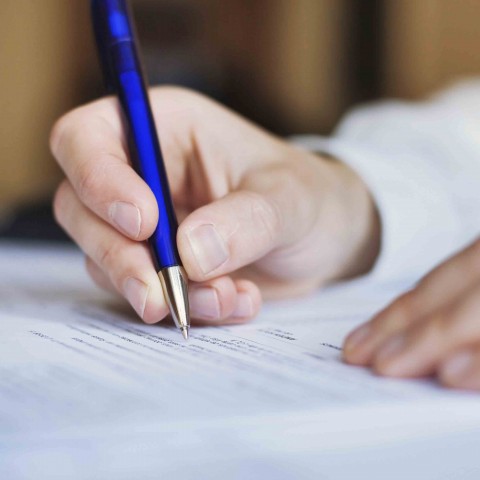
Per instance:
{"type": "Point", "coordinates": [89, 146]}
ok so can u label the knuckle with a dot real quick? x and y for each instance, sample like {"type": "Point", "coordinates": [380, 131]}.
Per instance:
{"type": "Point", "coordinates": [64, 127]}
{"type": "Point", "coordinates": [90, 265]}
{"type": "Point", "coordinates": [91, 268]}
{"type": "Point", "coordinates": [96, 274]}
{"type": "Point", "coordinates": [59, 202]}
{"type": "Point", "coordinates": [92, 178]}
{"type": "Point", "coordinates": [88, 180]}
{"type": "Point", "coordinates": [266, 217]}
{"type": "Point", "coordinates": [57, 132]}
{"type": "Point", "coordinates": [431, 330]}
{"type": "Point", "coordinates": [460, 325]}
{"type": "Point", "coordinates": [178, 93]}
{"type": "Point", "coordinates": [404, 306]}
{"type": "Point", "coordinates": [396, 315]}
{"type": "Point", "coordinates": [95, 279]}
{"type": "Point", "coordinates": [106, 256]}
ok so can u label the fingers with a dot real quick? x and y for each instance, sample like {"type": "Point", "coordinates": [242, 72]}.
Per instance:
{"type": "Point", "coordinates": [224, 301]}
{"type": "Point", "coordinates": [126, 263]}
{"type": "Point", "coordinates": [419, 350]}
{"type": "Point", "coordinates": [99, 276]}
{"type": "Point", "coordinates": [247, 225]}
{"type": "Point", "coordinates": [364, 341]}
{"type": "Point", "coordinates": [232, 232]}
{"type": "Point", "coordinates": [444, 285]}
{"type": "Point", "coordinates": [462, 369]}
{"type": "Point", "coordinates": [218, 302]}
{"type": "Point", "coordinates": [122, 265]}
{"type": "Point", "coordinates": [446, 282]}
{"type": "Point", "coordinates": [433, 329]}
{"type": "Point", "coordinates": [88, 145]}
{"type": "Point", "coordinates": [215, 142]}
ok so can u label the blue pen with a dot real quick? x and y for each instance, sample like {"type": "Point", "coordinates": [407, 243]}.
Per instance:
{"type": "Point", "coordinates": [119, 56]}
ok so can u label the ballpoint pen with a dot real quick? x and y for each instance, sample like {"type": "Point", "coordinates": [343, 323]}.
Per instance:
{"type": "Point", "coordinates": [119, 57]}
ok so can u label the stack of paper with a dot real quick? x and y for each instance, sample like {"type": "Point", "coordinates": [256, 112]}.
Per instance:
{"type": "Point", "coordinates": [87, 391]}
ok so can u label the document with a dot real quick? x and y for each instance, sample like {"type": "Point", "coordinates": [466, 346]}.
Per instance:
{"type": "Point", "coordinates": [85, 387]}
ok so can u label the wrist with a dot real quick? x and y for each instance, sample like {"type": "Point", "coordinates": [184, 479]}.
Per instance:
{"type": "Point", "coordinates": [351, 219]}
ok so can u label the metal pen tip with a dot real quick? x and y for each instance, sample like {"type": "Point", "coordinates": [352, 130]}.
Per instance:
{"type": "Point", "coordinates": [175, 288]}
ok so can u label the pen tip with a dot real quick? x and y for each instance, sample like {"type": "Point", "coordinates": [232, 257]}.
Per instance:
{"type": "Point", "coordinates": [175, 288]}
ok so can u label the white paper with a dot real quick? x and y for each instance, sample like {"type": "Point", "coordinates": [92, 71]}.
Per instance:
{"type": "Point", "coordinates": [87, 388]}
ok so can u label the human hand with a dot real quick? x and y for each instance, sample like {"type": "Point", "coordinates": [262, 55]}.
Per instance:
{"type": "Point", "coordinates": [257, 215]}
{"type": "Point", "coordinates": [433, 329]}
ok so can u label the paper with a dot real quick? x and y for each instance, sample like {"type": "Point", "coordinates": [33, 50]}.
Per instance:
{"type": "Point", "coordinates": [77, 370]}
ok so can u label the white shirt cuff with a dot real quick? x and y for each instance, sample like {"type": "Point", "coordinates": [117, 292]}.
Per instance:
{"type": "Point", "coordinates": [418, 225]}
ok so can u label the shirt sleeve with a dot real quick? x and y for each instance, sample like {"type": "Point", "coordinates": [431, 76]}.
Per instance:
{"type": "Point", "coordinates": [421, 163]}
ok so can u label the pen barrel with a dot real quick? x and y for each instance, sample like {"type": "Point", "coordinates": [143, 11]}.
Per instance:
{"type": "Point", "coordinates": [147, 159]}
{"type": "Point", "coordinates": [116, 44]}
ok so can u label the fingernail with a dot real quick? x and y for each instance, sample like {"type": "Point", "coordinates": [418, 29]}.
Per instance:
{"type": "Point", "coordinates": [357, 337]}
{"type": "Point", "coordinates": [208, 247]}
{"type": "Point", "coordinates": [127, 217]}
{"type": "Point", "coordinates": [136, 293]}
{"type": "Point", "coordinates": [204, 303]}
{"type": "Point", "coordinates": [244, 306]}
{"type": "Point", "coordinates": [458, 366]}
{"type": "Point", "coordinates": [391, 348]}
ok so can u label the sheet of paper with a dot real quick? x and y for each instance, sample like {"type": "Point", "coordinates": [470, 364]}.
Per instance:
{"type": "Point", "coordinates": [79, 374]}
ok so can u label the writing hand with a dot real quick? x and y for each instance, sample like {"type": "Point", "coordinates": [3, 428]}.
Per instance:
{"type": "Point", "coordinates": [258, 217]}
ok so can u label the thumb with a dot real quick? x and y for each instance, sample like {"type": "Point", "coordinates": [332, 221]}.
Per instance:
{"type": "Point", "coordinates": [229, 233]}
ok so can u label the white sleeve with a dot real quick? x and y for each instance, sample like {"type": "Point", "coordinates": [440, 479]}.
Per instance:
{"type": "Point", "coordinates": [421, 162]}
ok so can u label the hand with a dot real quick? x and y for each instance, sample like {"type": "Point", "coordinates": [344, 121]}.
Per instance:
{"type": "Point", "coordinates": [432, 330]}
{"type": "Point", "coordinates": [258, 216]}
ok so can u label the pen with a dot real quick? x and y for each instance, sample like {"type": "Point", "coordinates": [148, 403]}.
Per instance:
{"type": "Point", "coordinates": [119, 57]}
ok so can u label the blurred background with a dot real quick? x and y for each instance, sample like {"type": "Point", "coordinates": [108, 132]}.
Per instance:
{"type": "Point", "coordinates": [293, 66]}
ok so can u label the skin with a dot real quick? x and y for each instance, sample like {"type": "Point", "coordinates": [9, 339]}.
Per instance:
{"type": "Point", "coordinates": [430, 330]}
{"type": "Point", "coordinates": [259, 218]}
